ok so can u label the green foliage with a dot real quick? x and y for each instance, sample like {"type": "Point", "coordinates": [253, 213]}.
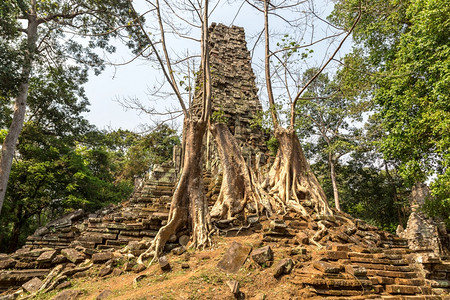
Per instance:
{"type": "Point", "coordinates": [218, 116]}
{"type": "Point", "coordinates": [272, 145]}
{"type": "Point", "coordinates": [57, 168]}
{"type": "Point", "coordinates": [406, 43]}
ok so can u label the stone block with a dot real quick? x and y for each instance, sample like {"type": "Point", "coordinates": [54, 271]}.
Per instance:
{"type": "Point", "coordinates": [73, 255]}
{"type": "Point", "coordinates": [234, 257]}
{"type": "Point", "coordinates": [7, 264]}
{"type": "Point", "coordinates": [164, 264]}
{"type": "Point", "coordinates": [284, 266]}
{"type": "Point", "coordinates": [356, 271]}
{"type": "Point", "coordinates": [98, 258]}
{"type": "Point", "coordinates": [33, 285]}
{"type": "Point", "coordinates": [47, 256]}
{"type": "Point", "coordinates": [262, 256]}
{"type": "Point", "coordinates": [402, 289]}
{"type": "Point", "coordinates": [326, 267]}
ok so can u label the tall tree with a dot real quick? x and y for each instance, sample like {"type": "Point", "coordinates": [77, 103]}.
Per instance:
{"type": "Point", "coordinates": [188, 208]}
{"type": "Point", "coordinates": [409, 49]}
{"type": "Point", "coordinates": [40, 42]}
{"type": "Point", "coordinates": [58, 166]}
{"type": "Point", "coordinates": [327, 114]}
{"type": "Point", "coordinates": [290, 177]}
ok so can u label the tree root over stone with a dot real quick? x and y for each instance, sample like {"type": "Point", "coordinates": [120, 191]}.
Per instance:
{"type": "Point", "coordinates": [291, 181]}
{"type": "Point", "coordinates": [188, 208]}
{"type": "Point", "coordinates": [239, 185]}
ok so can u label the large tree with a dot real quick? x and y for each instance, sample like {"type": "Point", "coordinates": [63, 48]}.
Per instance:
{"type": "Point", "coordinates": [290, 179]}
{"type": "Point", "coordinates": [58, 165]}
{"type": "Point", "coordinates": [189, 206]}
{"type": "Point", "coordinates": [409, 48]}
{"type": "Point", "coordinates": [35, 33]}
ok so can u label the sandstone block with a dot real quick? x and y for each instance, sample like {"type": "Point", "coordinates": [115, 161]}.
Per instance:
{"type": "Point", "coordinates": [72, 255]}
{"type": "Point", "coordinates": [234, 257]}
{"type": "Point", "coordinates": [402, 289]}
{"type": "Point", "coordinates": [326, 267]}
{"type": "Point", "coordinates": [262, 256]}
{"type": "Point", "coordinates": [164, 263]}
{"type": "Point", "coordinates": [46, 256]}
{"type": "Point", "coordinates": [284, 266]}
{"type": "Point", "coordinates": [98, 258]}
{"type": "Point", "coordinates": [33, 285]}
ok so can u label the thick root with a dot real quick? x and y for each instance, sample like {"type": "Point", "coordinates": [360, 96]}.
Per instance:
{"type": "Point", "coordinates": [291, 178]}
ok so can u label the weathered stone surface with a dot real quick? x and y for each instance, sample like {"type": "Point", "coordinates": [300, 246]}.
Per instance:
{"type": "Point", "coordinates": [47, 256]}
{"type": "Point", "coordinates": [356, 270]}
{"type": "Point", "coordinates": [179, 250]}
{"type": "Point", "coordinates": [68, 295]}
{"type": "Point", "coordinates": [183, 240]}
{"type": "Point", "coordinates": [104, 295]}
{"type": "Point", "coordinates": [33, 285]}
{"type": "Point", "coordinates": [234, 257]}
{"type": "Point", "coordinates": [302, 238]}
{"type": "Point", "coordinates": [262, 256]}
{"type": "Point", "coordinates": [73, 255]}
{"type": "Point", "coordinates": [234, 286]}
{"type": "Point", "coordinates": [138, 268]}
{"type": "Point", "coordinates": [284, 266]}
{"type": "Point", "coordinates": [164, 263]}
{"type": "Point", "coordinates": [98, 258]}
{"type": "Point", "coordinates": [326, 267]}
{"type": "Point", "coordinates": [7, 263]}
{"type": "Point", "coordinates": [105, 269]}
{"type": "Point", "coordinates": [402, 289]}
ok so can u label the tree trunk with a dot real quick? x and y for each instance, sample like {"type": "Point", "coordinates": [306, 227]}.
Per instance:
{"type": "Point", "coordinates": [188, 208]}
{"type": "Point", "coordinates": [20, 104]}
{"type": "Point", "coordinates": [332, 164]}
{"type": "Point", "coordinates": [14, 238]}
{"type": "Point", "coordinates": [291, 180]}
{"type": "Point", "coordinates": [238, 183]}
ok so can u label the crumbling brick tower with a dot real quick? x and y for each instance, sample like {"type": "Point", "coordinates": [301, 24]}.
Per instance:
{"type": "Point", "coordinates": [234, 93]}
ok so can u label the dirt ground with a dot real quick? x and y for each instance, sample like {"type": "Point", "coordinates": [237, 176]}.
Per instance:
{"type": "Point", "coordinates": [202, 280]}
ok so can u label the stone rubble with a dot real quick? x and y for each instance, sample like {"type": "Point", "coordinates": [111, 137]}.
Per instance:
{"type": "Point", "coordinates": [333, 257]}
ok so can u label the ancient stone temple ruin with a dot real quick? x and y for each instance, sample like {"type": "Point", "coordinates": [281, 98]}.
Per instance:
{"type": "Point", "coordinates": [336, 257]}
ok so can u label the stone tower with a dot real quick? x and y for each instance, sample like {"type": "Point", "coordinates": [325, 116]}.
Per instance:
{"type": "Point", "coordinates": [234, 92]}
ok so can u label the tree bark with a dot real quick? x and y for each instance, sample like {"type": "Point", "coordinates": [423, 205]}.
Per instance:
{"type": "Point", "coordinates": [188, 208]}
{"type": "Point", "coordinates": [238, 183]}
{"type": "Point", "coordinates": [332, 164]}
{"type": "Point", "coordinates": [20, 104]}
{"type": "Point", "coordinates": [291, 180]}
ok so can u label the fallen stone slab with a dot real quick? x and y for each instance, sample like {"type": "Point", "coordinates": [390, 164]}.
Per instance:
{"type": "Point", "coordinates": [284, 266]}
{"type": "Point", "coordinates": [98, 258]}
{"type": "Point", "coordinates": [47, 256]}
{"type": "Point", "coordinates": [104, 295]}
{"type": "Point", "coordinates": [234, 286]}
{"type": "Point", "coordinates": [326, 267]}
{"type": "Point", "coordinates": [19, 277]}
{"type": "Point", "coordinates": [262, 256]}
{"type": "Point", "coordinates": [234, 258]}
{"type": "Point", "coordinates": [164, 264]}
{"type": "Point", "coordinates": [7, 264]}
{"type": "Point", "coordinates": [73, 255]}
{"type": "Point", "coordinates": [68, 295]}
{"type": "Point", "coordinates": [33, 285]}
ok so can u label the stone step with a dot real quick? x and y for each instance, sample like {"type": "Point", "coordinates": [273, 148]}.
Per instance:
{"type": "Point", "coordinates": [395, 262]}
{"type": "Point", "coordinates": [392, 274]}
{"type": "Point", "coordinates": [329, 282]}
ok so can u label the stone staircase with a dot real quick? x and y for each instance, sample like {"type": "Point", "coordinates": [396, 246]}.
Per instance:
{"type": "Point", "coordinates": [351, 267]}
